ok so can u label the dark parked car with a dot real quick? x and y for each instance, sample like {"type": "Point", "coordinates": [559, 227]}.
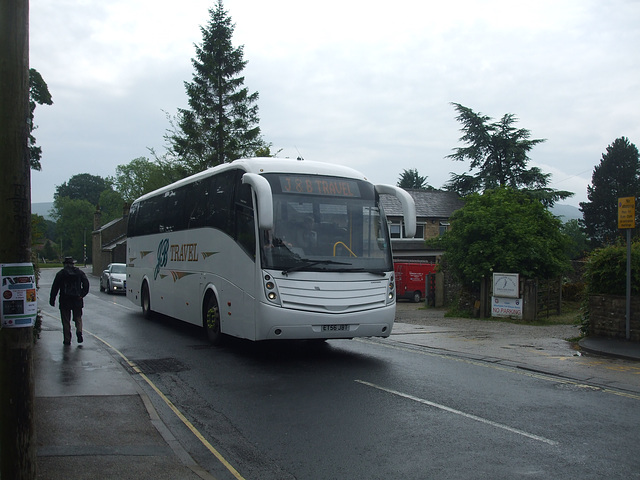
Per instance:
{"type": "Point", "coordinates": [114, 278]}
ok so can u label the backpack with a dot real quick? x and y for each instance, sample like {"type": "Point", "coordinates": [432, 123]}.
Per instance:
{"type": "Point", "coordinates": [72, 285]}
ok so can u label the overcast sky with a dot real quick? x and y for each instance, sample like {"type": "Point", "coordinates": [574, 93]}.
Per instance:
{"type": "Point", "coordinates": [368, 84]}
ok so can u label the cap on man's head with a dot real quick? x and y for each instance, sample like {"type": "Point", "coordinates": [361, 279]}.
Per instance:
{"type": "Point", "coordinates": [68, 261]}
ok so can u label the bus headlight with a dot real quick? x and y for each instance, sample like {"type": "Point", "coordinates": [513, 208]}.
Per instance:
{"type": "Point", "coordinates": [391, 291]}
{"type": "Point", "coordinates": [270, 289]}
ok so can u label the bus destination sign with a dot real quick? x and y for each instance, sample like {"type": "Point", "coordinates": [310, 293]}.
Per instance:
{"type": "Point", "coordinates": [308, 185]}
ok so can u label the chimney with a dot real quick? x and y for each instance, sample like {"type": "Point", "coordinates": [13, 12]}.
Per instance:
{"type": "Point", "coordinates": [97, 217]}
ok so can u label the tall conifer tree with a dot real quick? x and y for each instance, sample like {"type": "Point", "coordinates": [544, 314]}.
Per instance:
{"type": "Point", "coordinates": [221, 123]}
{"type": "Point", "coordinates": [617, 175]}
{"type": "Point", "coordinates": [499, 155]}
{"type": "Point", "coordinates": [412, 179]}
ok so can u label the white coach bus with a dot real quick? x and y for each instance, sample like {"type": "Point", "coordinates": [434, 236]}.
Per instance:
{"type": "Point", "coordinates": [267, 248]}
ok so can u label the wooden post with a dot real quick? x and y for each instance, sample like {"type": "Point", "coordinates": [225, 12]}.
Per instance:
{"type": "Point", "coordinates": [530, 300]}
{"type": "Point", "coordinates": [485, 301]}
{"type": "Point", "coordinates": [439, 300]}
{"type": "Point", "coordinates": [17, 444]}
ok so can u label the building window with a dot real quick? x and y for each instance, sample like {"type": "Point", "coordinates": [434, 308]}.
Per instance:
{"type": "Point", "coordinates": [396, 230]}
{"type": "Point", "coordinates": [444, 226]}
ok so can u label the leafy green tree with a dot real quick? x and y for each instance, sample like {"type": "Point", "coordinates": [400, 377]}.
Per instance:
{"type": "Point", "coordinates": [504, 230]}
{"type": "Point", "coordinates": [38, 229]}
{"type": "Point", "coordinates": [142, 175]}
{"type": "Point", "coordinates": [221, 123]}
{"type": "Point", "coordinates": [83, 186]}
{"type": "Point", "coordinates": [38, 94]}
{"type": "Point", "coordinates": [49, 251]}
{"type": "Point", "coordinates": [578, 245]}
{"type": "Point", "coordinates": [38, 232]}
{"type": "Point", "coordinates": [617, 175]}
{"type": "Point", "coordinates": [412, 179]}
{"type": "Point", "coordinates": [499, 154]}
{"type": "Point", "coordinates": [74, 204]}
{"type": "Point", "coordinates": [111, 206]}
{"type": "Point", "coordinates": [74, 224]}
{"type": "Point", "coordinates": [265, 151]}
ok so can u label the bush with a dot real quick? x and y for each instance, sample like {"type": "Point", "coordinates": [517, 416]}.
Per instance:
{"type": "Point", "coordinates": [606, 274]}
{"type": "Point", "coordinates": [606, 270]}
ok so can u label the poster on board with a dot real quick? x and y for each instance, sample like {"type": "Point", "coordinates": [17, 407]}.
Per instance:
{"type": "Point", "coordinates": [19, 302]}
{"type": "Point", "coordinates": [506, 307]}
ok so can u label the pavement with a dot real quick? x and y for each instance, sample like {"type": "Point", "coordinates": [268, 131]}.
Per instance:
{"type": "Point", "coordinates": [93, 420]}
{"type": "Point", "coordinates": [611, 347]}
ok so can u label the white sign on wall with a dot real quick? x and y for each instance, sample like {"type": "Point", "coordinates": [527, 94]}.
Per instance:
{"type": "Point", "coordinates": [506, 285]}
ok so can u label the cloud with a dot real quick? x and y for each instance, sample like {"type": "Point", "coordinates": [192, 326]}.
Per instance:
{"type": "Point", "coordinates": [366, 84]}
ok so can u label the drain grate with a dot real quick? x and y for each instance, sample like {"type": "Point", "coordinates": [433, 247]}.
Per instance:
{"type": "Point", "coordinates": [160, 365]}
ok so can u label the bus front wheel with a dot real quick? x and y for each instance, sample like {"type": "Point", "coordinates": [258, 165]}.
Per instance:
{"type": "Point", "coordinates": [145, 301]}
{"type": "Point", "coordinates": [211, 319]}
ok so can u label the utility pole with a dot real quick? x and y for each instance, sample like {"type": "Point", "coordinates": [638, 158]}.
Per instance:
{"type": "Point", "coordinates": [17, 392]}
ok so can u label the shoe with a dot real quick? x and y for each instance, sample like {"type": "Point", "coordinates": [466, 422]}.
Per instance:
{"type": "Point", "coordinates": [79, 335]}
{"type": "Point", "coordinates": [66, 343]}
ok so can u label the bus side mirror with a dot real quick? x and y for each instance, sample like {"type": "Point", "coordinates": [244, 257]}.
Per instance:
{"type": "Point", "coordinates": [264, 198]}
{"type": "Point", "coordinates": [408, 207]}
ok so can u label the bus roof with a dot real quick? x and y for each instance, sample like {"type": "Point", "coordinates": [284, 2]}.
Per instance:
{"type": "Point", "coordinates": [262, 165]}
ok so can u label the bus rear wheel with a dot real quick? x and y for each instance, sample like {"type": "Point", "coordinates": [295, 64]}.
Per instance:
{"type": "Point", "coordinates": [417, 296]}
{"type": "Point", "coordinates": [211, 320]}
{"type": "Point", "coordinates": [145, 301]}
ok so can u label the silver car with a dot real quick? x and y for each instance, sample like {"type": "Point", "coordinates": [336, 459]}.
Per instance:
{"type": "Point", "coordinates": [114, 278]}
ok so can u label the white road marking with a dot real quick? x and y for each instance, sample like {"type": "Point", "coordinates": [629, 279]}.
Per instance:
{"type": "Point", "coordinates": [461, 413]}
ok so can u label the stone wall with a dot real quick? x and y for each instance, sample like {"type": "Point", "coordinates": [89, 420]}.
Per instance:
{"type": "Point", "coordinates": [607, 316]}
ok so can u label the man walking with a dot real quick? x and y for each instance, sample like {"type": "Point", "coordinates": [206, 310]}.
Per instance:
{"type": "Point", "coordinates": [73, 285]}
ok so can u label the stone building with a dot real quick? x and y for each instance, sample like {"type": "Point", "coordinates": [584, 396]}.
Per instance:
{"type": "Point", "coordinates": [109, 241]}
{"type": "Point", "coordinates": [433, 211]}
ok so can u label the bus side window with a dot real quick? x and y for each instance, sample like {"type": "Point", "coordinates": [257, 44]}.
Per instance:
{"type": "Point", "coordinates": [197, 204]}
{"type": "Point", "coordinates": [148, 211]}
{"type": "Point", "coordinates": [174, 218]}
{"type": "Point", "coordinates": [245, 233]}
{"type": "Point", "coordinates": [131, 223]}
{"type": "Point", "coordinates": [220, 203]}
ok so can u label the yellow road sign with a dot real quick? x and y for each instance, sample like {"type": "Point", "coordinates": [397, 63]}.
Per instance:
{"type": "Point", "coordinates": [627, 212]}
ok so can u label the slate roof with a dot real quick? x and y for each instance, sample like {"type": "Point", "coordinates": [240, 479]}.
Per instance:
{"type": "Point", "coordinates": [429, 203]}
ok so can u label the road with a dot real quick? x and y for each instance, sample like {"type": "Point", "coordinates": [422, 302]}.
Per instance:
{"type": "Point", "coordinates": [374, 409]}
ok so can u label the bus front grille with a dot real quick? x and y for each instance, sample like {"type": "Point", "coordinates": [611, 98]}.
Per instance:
{"type": "Point", "coordinates": [332, 297]}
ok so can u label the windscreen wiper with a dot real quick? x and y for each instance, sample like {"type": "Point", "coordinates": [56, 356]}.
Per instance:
{"type": "Point", "coordinates": [307, 262]}
{"type": "Point", "coordinates": [366, 270]}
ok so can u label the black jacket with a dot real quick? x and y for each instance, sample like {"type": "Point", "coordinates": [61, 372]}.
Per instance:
{"type": "Point", "coordinates": [67, 274]}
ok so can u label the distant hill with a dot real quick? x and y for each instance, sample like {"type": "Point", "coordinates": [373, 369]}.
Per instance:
{"type": "Point", "coordinates": [566, 212]}
{"type": "Point", "coordinates": [42, 209]}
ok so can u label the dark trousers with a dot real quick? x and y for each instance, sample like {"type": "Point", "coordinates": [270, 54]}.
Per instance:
{"type": "Point", "coordinates": [65, 313]}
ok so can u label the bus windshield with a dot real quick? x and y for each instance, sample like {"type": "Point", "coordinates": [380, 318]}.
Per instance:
{"type": "Point", "coordinates": [325, 223]}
